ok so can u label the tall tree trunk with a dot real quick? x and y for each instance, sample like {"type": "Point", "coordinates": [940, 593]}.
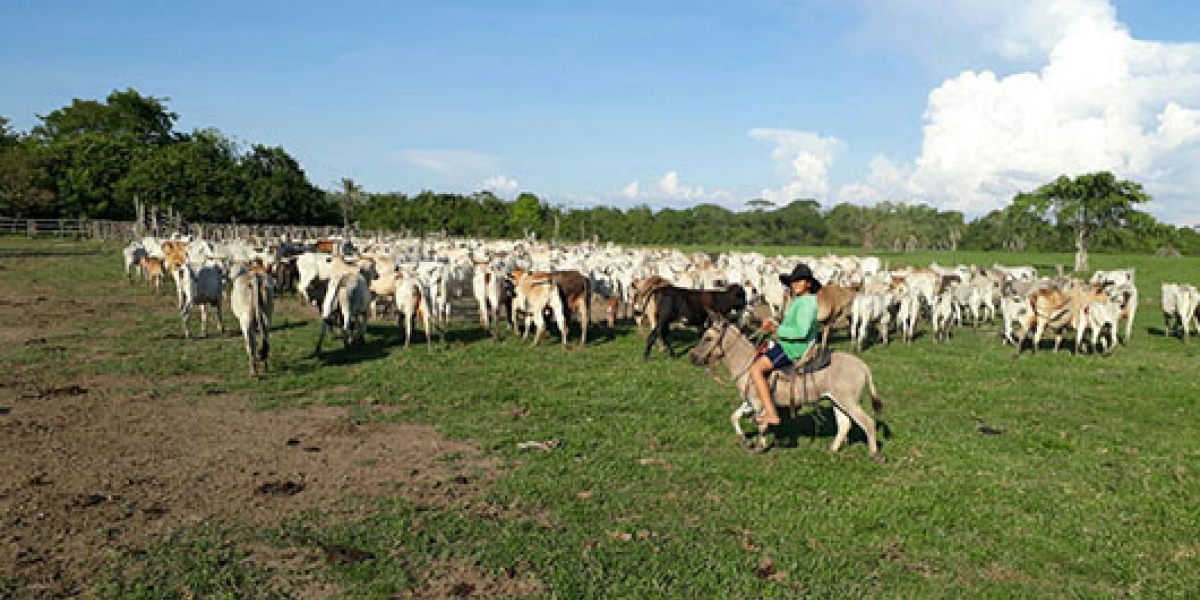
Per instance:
{"type": "Point", "coordinates": [1081, 255]}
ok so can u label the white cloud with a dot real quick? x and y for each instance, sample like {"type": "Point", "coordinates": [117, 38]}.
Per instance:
{"type": "Point", "coordinates": [448, 163]}
{"type": "Point", "coordinates": [501, 185]}
{"type": "Point", "coordinates": [669, 191]}
{"type": "Point", "coordinates": [1100, 100]}
{"type": "Point", "coordinates": [803, 159]}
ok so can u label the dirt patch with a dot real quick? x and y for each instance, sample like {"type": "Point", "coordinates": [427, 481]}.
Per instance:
{"type": "Point", "coordinates": [455, 579]}
{"type": "Point", "coordinates": [89, 473]}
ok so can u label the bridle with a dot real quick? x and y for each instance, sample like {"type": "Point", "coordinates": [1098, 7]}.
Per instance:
{"type": "Point", "coordinates": [719, 345]}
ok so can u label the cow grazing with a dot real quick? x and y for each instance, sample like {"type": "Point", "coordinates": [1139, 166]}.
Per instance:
{"type": "Point", "coordinates": [672, 304]}
{"type": "Point", "coordinates": [203, 287]}
{"type": "Point", "coordinates": [251, 298]}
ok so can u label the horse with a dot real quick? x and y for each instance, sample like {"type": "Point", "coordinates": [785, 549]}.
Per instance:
{"type": "Point", "coordinates": [841, 382]}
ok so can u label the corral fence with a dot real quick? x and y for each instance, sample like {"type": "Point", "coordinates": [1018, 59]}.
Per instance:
{"type": "Point", "coordinates": [124, 231]}
{"type": "Point", "coordinates": [73, 228]}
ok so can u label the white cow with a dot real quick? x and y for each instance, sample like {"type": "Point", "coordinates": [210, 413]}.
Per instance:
{"type": "Point", "coordinates": [203, 286]}
{"type": "Point", "coordinates": [134, 253]}
{"type": "Point", "coordinates": [869, 309]}
{"type": "Point", "coordinates": [1187, 301]}
{"type": "Point", "coordinates": [1013, 309]}
{"type": "Point", "coordinates": [908, 313]}
{"type": "Point", "coordinates": [1098, 317]}
{"type": "Point", "coordinates": [944, 314]}
{"type": "Point", "coordinates": [251, 298]}
{"type": "Point", "coordinates": [347, 303]}
{"type": "Point", "coordinates": [412, 301]}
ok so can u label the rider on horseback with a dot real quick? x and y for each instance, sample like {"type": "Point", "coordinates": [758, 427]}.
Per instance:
{"type": "Point", "coordinates": [796, 334]}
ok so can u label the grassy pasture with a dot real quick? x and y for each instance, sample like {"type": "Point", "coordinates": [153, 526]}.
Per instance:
{"type": "Point", "coordinates": [1089, 490]}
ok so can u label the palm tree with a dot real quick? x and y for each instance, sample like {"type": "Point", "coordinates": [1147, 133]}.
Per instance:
{"type": "Point", "coordinates": [347, 197]}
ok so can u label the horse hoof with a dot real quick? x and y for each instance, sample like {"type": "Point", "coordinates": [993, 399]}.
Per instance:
{"type": "Point", "coordinates": [879, 458]}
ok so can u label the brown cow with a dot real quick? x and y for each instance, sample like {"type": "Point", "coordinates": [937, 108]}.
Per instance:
{"type": "Point", "coordinates": [152, 267]}
{"type": "Point", "coordinates": [576, 291]}
{"type": "Point", "coordinates": [1056, 309]}
{"type": "Point", "coordinates": [833, 309]}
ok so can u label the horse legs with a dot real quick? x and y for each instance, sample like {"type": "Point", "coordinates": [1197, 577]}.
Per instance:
{"type": "Point", "coordinates": [746, 409]}
{"type": "Point", "coordinates": [860, 416]}
{"type": "Point", "coordinates": [843, 428]}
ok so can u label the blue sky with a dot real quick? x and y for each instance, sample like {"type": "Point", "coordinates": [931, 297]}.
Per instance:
{"type": "Point", "coordinates": [666, 103]}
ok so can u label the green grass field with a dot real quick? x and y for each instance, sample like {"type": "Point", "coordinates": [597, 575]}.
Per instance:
{"type": "Point", "coordinates": [1089, 490]}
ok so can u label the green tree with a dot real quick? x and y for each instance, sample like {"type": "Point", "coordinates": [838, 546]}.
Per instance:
{"type": "Point", "coordinates": [26, 188]}
{"type": "Point", "coordinates": [8, 136]}
{"type": "Point", "coordinates": [349, 196]}
{"type": "Point", "coordinates": [197, 177]}
{"type": "Point", "coordinates": [278, 190]}
{"type": "Point", "coordinates": [525, 214]}
{"type": "Point", "coordinates": [1087, 205]}
{"type": "Point", "coordinates": [127, 114]}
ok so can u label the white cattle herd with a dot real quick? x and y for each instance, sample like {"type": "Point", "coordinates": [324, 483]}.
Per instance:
{"type": "Point", "coordinates": [518, 283]}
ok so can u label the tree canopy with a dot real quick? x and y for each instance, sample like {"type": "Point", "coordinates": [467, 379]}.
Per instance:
{"type": "Point", "coordinates": [1087, 205]}
{"type": "Point", "coordinates": [94, 158]}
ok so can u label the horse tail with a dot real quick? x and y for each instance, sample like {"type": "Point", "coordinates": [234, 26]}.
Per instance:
{"type": "Point", "coordinates": [876, 402]}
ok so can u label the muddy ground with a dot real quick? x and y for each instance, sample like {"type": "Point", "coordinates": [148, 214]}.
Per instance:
{"type": "Point", "coordinates": [94, 463]}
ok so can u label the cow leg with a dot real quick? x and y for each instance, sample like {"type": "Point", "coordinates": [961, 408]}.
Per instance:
{"type": "Point", "coordinates": [220, 318]}
{"type": "Point", "coordinates": [666, 340]}
{"type": "Point", "coordinates": [320, 339]}
{"type": "Point", "coordinates": [650, 344]}
{"type": "Point", "coordinates": [204, 320]}
{"type": "Point", "coordinates": [428, 334]}
{"type": "Point", "coordinates": [248, 335]}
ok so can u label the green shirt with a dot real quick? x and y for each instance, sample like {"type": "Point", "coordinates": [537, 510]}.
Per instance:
{"type": "Point", "coordinates": [799, 327]}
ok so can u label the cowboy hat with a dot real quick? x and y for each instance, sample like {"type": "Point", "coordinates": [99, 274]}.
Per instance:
{"type": "Point", "coordinates": [801, 272]}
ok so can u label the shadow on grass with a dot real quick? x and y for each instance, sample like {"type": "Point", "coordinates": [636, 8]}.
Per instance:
{"type": "Point", "coordinates": [821, 423]}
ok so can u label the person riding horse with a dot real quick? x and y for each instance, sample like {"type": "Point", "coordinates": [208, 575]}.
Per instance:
{"type": "Point", "coordinates": [796, 334]}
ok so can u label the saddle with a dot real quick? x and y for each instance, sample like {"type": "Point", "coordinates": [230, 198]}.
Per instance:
{"type": "Point", "coordinates": [814, 359]}
{"type": "Point", "coordinates": [794, 387]}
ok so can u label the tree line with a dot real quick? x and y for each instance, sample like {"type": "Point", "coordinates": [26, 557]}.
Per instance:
{"type": "Point", "coordinates": [98, 158]}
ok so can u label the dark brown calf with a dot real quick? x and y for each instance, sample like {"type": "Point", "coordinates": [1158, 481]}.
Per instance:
{"type": "Point", "coordinates": [673, 304]}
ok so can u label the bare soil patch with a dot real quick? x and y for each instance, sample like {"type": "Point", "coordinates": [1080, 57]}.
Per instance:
{"type": "Point", "coordinates": [94, 463]}
{"type": "Point", "coordinates": [86, 473]}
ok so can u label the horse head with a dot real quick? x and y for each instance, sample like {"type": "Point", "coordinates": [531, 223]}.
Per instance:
{"type": "Point", "coordinates": [710, 345]}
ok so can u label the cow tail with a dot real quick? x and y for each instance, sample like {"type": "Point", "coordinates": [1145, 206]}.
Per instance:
{"type": "Point", "coordinates": [331, 297]}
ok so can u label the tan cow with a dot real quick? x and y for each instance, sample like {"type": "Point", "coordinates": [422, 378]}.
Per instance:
{"type": "Point", "coordinates": [1057, 309]}
{"type": "Point", "coordinates": [152, 268]}
{"type": "Point", "coordinates": [834, 304]}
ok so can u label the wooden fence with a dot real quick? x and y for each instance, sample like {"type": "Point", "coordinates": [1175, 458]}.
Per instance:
{"type": "Point", "coordinates": [124, 231]}
{"type": "Point", "coordinates": [44, 227]}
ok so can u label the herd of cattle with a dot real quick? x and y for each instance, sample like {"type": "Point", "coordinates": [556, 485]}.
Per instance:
{"type": "Point", "coordinates": [519, 284]}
